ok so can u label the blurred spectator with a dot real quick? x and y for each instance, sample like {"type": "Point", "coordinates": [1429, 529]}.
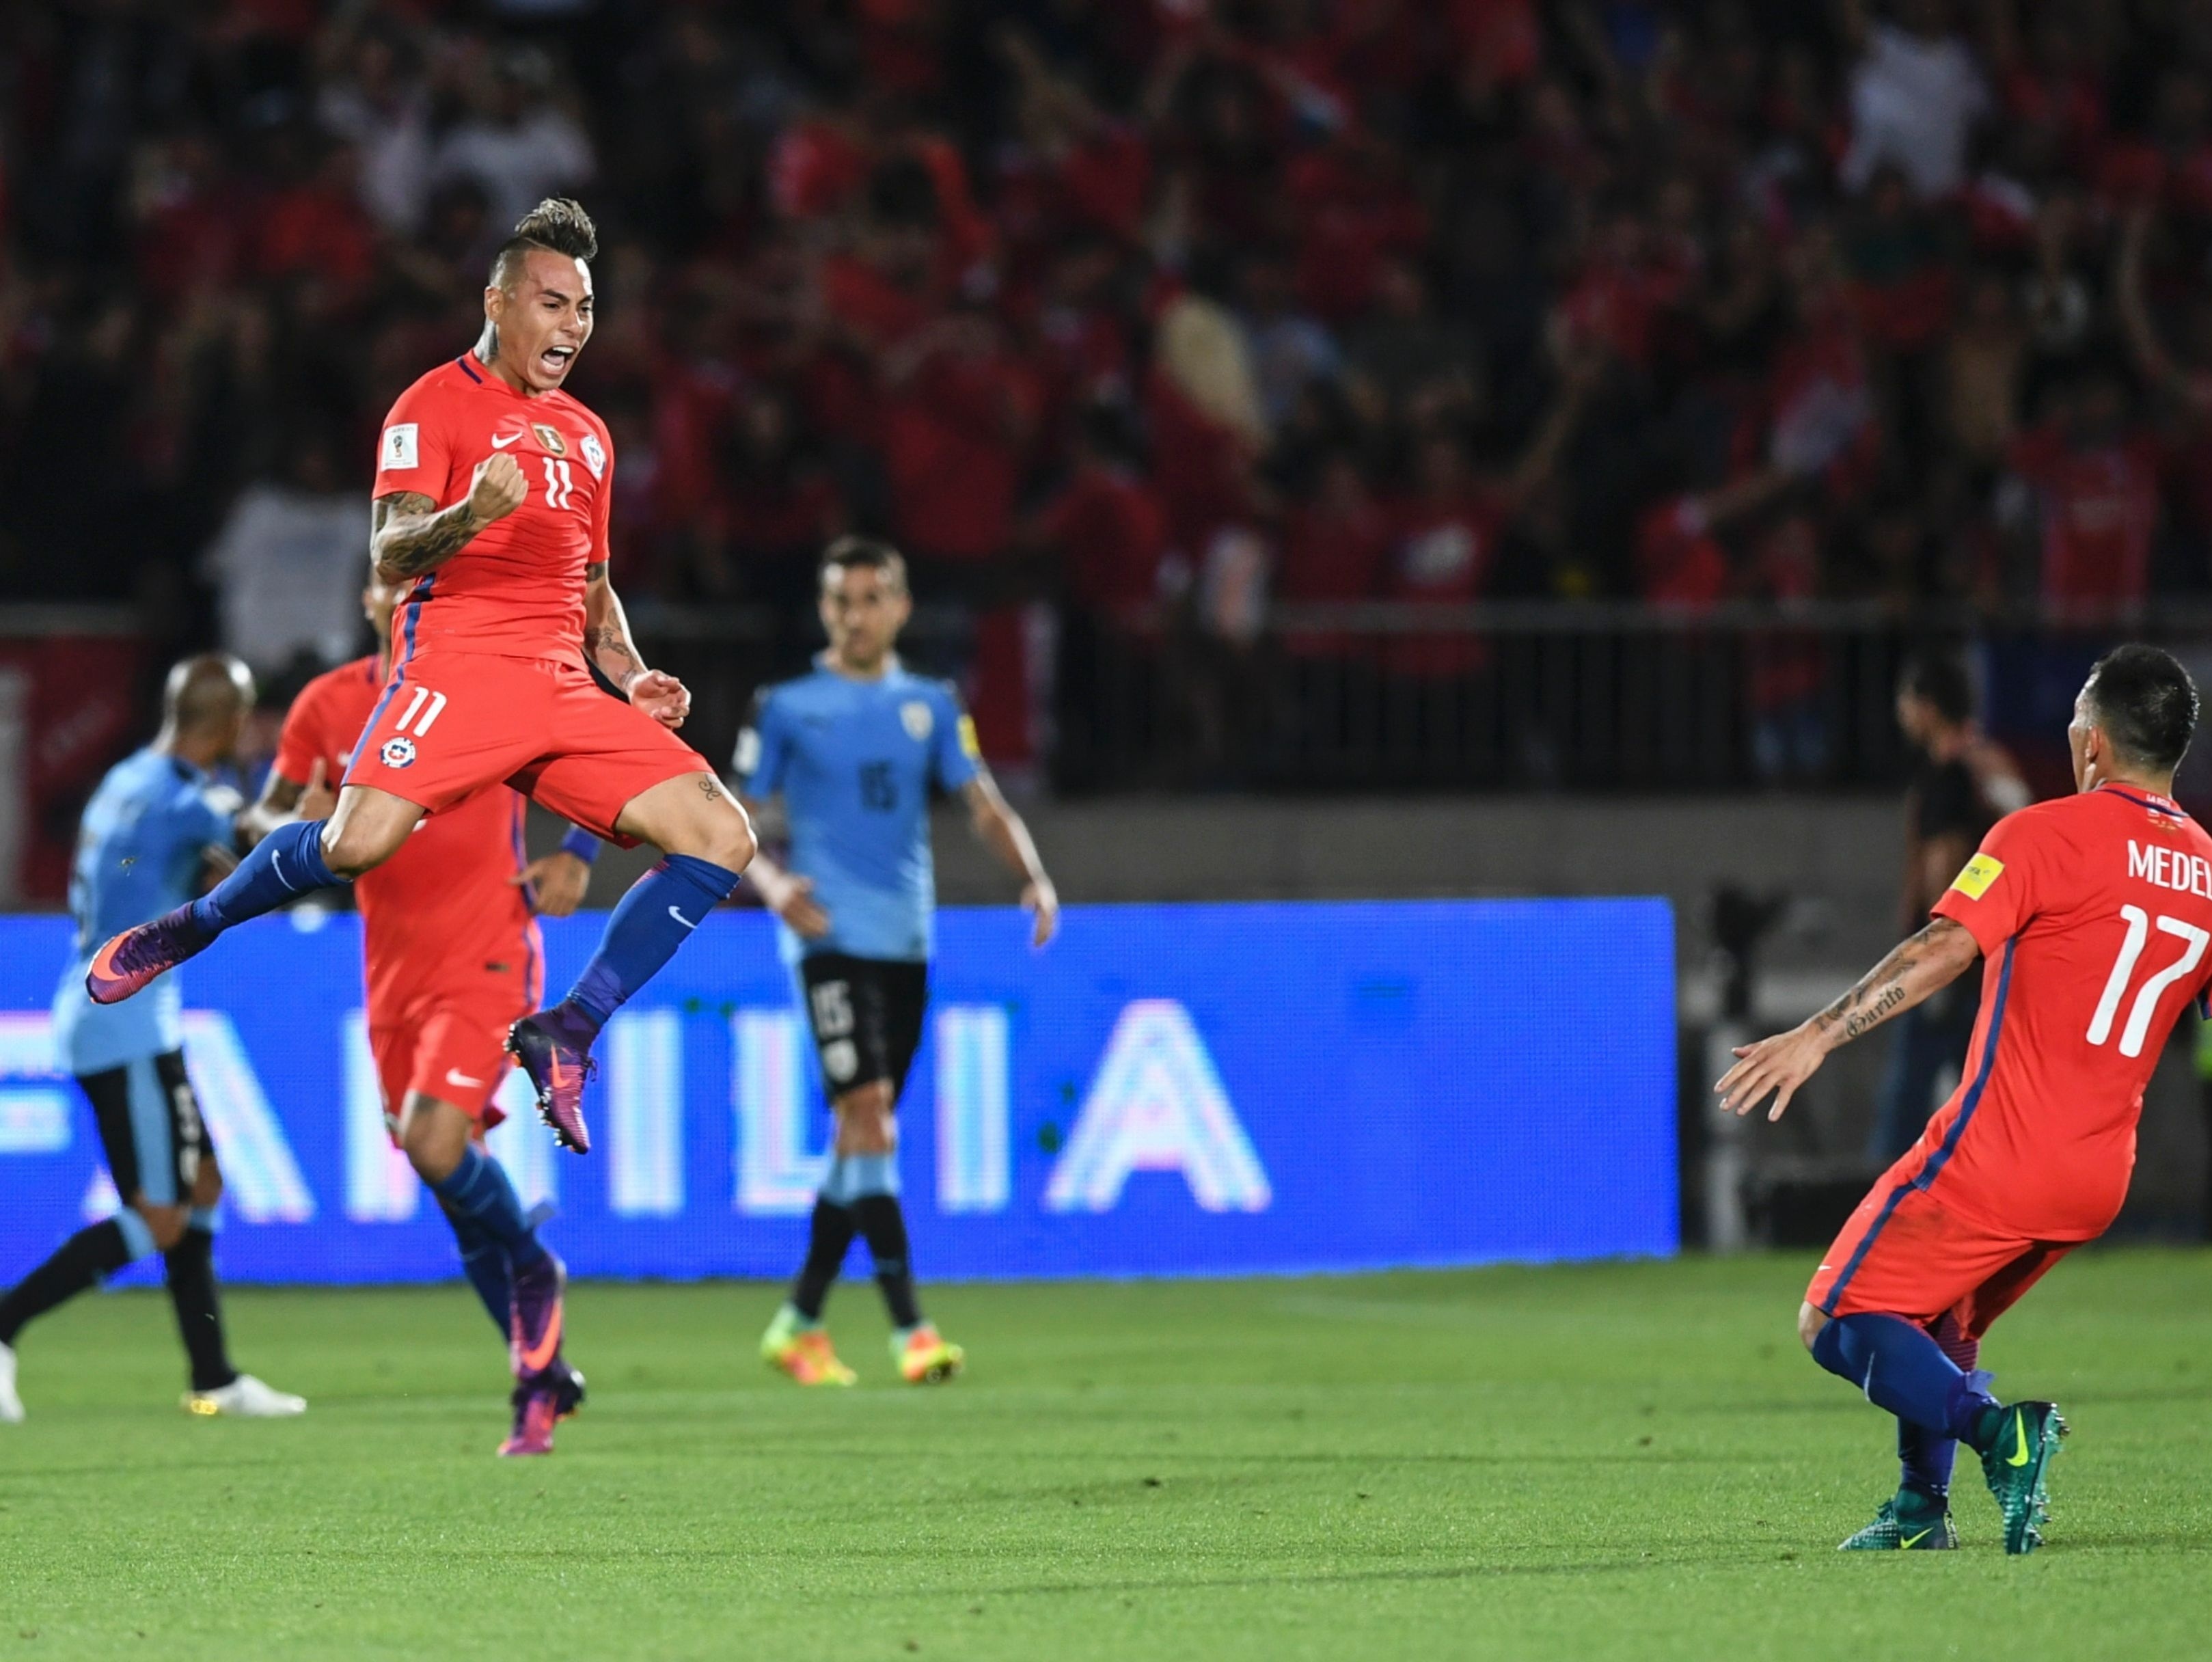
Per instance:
{"type": "Point", "coordinates": [1964, 783]}
{"type": "Point", "coordinates": [1915, 95]}
{"type": "Point", "coordinates": [289, 562]}
{"type": "Point", "coordinates": [517, 143]}
{"type": "Point", "coordinates": [2095, 473]}
{"type": "Point", "coordinates": [1860, 277]}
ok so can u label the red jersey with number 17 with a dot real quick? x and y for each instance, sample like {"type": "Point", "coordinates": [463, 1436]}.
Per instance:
{"type": "Point", "coordinates": [2094, 913]}
{"type": "Point", "coordinates": [516, 590]}
{"type": "Point", "coordinates": [444, 908]}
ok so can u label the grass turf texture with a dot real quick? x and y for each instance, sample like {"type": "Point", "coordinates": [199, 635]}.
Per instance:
{"type": "Point", "coordinates": [1622, 1460]}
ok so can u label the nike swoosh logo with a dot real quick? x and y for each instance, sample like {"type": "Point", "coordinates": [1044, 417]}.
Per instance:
{"type": "Point", "coordinates": [537, 1356]}
{"type": "Point", "coordinates": [1912, 1540]}
{"type": "Point", "coordinates": [499, 443]}
{"type": "Point", "coordinates": [455, 1076]}
{"type": "Point", "coordinates": [2019, 1458]}
{"type": "Point", "coordinates": [680, 918]}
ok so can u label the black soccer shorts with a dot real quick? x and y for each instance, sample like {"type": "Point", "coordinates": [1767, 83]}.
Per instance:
{"type": "Point", "coordinates": [867, 1013]}
{"type": "Point", "coordinates": [150, 1128]}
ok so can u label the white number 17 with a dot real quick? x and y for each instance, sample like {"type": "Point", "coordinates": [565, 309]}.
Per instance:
{"type": "Point", "coordinates": [2123, 970]}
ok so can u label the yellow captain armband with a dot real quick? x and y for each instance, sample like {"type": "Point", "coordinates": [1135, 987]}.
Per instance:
{"type": "Point", "coordinates": [970, 746]}
{"type": "Point", "coordinates": [1980, 872]}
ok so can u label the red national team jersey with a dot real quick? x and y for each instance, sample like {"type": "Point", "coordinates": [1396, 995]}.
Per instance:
{"type": "Point", "coordinates": [446, 904]}
{"type": "Point", "coordinates": [517, 589]}
{"type": "Point", "coordinates": [2094, 913]}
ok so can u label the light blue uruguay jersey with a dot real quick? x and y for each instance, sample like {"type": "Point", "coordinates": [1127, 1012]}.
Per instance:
{"type": "Point", "coordinates": [856, 763]}
{"type": "Point", "coordinates": [139, 854]}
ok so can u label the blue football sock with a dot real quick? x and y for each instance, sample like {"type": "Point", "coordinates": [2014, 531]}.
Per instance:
{"type": "Point", "coordinates": [282, 866]}
{"type": "Point", "coordinates": [643, 932]}
{"type": "Point", "coordinates": [1924, 1457]}
{"type": "Point", "coordinates": [1901, 1368]}
{"type": "Point", "coordinates": [478, 1190]}
{"type": "Point", "coordinates": [484, 1261]}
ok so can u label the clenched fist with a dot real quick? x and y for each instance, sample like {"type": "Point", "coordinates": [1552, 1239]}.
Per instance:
{"type": "Point", "coordinates": [497, 489]}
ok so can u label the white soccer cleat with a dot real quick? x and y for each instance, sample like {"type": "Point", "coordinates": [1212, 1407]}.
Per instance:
{"type": "Point", "coordinates": [11, 1405]}
{"type": "Point", "coordinates": [246, 1398]}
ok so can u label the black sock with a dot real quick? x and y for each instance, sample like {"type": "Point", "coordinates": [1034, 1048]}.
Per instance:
{"type": "Point", "coordinates": [86, 1258]}
{"type": "Point", "coordinates": [832, 1238]}
{"type": "Point", "coordinates": [885, 1226]}
{"type": "Point", "coordinates": [190, 1264]}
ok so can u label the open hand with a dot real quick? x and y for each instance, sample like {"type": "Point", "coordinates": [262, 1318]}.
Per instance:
{"type": "Point", "coordinates": [794, 903]}
{"type": "Point", "coordinates": [660, 695]}
{"type": "Point", "coordinates": [555, 882]}
{"type": "Point", "coordinates": [1775, 1066]}
{"type": "Point", "coordinates": [1041, 901]}
{"type": "Point", "coordinates": [318, 797]}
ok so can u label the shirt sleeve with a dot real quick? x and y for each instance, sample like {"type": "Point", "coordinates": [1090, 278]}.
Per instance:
{"type": "Point", "coordinates": [412, 452]}
{"type": "Point", "coordinates": [763, 750]}
{"type": "Point", "coordinates": [1994, 896]}
{"type": "Point", "coordinates": [207, 814]}
{"type": "Point", "coordinates": [955, 757]}
{"type": "Point", "coordinates": [603, 501]}
{"type": "Point", "coordinates": [301, 740]}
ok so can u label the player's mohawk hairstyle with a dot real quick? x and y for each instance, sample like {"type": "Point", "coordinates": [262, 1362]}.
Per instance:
{"type": "Point", "coordinates": [559, 225]}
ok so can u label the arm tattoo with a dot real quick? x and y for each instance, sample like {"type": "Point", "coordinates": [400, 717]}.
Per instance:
{"type": "Point", "coordinates": [607, 644]}
{"type": "Point", "coordinates": [1881, 991]}
{"type": "Point", "coordinates": [410, 537]}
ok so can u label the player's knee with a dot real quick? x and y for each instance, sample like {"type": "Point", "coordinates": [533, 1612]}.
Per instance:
{"type": "Point", "coordinates": [1810, 1320]}
{"type": "Point", "coordinates": [165, 1223]}
{"type": "Point", "coordinates": [865, 1123]}
{"type": "Point", "coordinates": [353, 848]}
{"type": "Point", "coordinates": [433, 1140]}
{"type": "Point", "coordinates": [730, 837]}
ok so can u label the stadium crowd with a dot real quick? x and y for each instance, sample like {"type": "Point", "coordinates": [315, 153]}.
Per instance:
{"type": "Point", "coordinates": [1104, 301]}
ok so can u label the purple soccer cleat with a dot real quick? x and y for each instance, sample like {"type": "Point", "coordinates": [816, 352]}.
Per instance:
{"type": "Point", "coordinates": [536, 1409]}
{"type": "Point", "coordinates": [534, 1334]}
{"type": "Point", "coordinates": [558, 1062]}
{"type": "Point", "coordinates": [134, 959]}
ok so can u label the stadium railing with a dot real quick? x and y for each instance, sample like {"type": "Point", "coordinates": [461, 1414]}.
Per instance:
{"type": "Point", "coordinates": [1596, 697]}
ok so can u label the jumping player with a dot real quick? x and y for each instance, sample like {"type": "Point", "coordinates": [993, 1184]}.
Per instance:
{"type": "Point", "coordinates": [453, 959]}
{"type": "Point", "coordinates": [492, 496]}
{"type": "Point", "coordinates": [151, 829]}
{"type": "Point", "coordinates": [2093, 913]}
{"type": "Point", "coordinates": [856, 749]}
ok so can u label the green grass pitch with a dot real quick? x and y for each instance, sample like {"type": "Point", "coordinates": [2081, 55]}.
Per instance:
{"type": "Point", "coordinates": [1628, 1460]}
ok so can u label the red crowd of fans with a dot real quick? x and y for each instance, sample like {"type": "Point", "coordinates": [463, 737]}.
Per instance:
{"type": "Point", "coordinates": [1115, 302]}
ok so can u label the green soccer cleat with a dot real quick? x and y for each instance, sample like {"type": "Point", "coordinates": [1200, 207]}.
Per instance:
{"type": "Point", "coordinates": [1905, 1529]}
{"type": "Point", "coordinates": [2028, 1435]}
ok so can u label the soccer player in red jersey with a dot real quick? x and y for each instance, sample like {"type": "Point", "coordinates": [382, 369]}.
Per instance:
{"type": "Point", "coordinates": [449, 932]}
{"type": "Point", "coordinates": [493, 490]}
{"type": "Point", "coordinates": [2093, 914]}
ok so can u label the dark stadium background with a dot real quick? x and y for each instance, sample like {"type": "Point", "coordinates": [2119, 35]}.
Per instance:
{"type": "Point", "coordinates": [1366, 448]}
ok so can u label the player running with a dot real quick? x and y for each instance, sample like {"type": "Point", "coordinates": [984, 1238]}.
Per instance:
{"type": "Point", "coordinates": [2093, 913]}
{"type": "Point", "coordinates": [149, 832]}
{"type": "Point", "coordinates": [855, 749]}
{"type": "Point", "coordinates": [453, 959]}
{"type": "Point", "coordinates": [493, 490]}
